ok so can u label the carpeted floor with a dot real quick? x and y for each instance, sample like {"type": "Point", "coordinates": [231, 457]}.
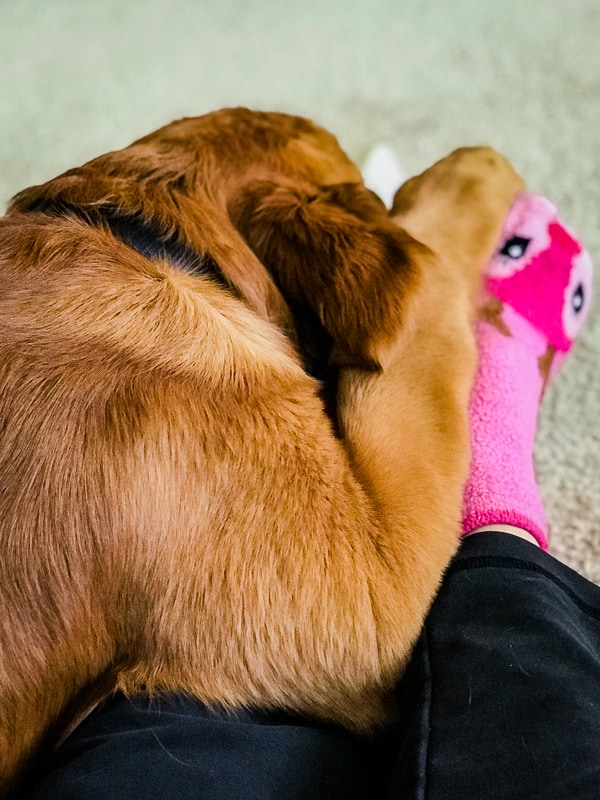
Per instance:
{"type": "Point", "coordinates": [80, 77]}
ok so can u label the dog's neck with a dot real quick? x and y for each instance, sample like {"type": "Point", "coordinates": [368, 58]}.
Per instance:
{"type": "Point", "coordinates": [146, 237]}
{"type": "Point", "coordinates": [142, 235]}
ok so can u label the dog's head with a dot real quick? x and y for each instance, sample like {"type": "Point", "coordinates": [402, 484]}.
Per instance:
{"type": "Point", "coordinates": [271, 202]}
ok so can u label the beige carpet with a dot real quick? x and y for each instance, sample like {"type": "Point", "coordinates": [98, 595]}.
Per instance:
{"type": "Point", "coordinates": [78, 78]}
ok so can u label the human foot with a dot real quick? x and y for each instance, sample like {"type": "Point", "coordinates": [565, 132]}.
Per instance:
{"type": "Point", "coordinates": [538, 287]}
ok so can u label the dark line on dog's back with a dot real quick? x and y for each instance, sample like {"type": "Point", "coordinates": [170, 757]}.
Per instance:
{"type": "Point", "coordinates": [142, 235]}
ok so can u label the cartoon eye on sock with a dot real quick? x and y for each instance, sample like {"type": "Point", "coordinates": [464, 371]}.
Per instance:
{"type": "Point", "coordinates": [515, 247]}
{"type": "Point", "coordinates": [578, 295]}
{"type": "Point", "coordinates": [541, 271]}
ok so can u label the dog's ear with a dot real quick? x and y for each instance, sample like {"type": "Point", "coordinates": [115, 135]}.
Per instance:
{"type": "Point", "coordinates": [336, 258]}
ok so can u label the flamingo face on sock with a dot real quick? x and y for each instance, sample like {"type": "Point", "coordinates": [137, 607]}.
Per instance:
{"type": "Point", "coordinates": [542, 272]}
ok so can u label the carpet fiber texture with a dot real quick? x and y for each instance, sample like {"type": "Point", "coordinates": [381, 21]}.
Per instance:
{"type": "Point", "coordinates": [423, 76]}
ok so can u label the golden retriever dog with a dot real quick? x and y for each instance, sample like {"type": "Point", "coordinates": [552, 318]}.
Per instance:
{"type": "Point", "coordinates": [234, 431]}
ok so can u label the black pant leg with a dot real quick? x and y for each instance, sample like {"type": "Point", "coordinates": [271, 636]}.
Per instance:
{"type": "Point", "coordinates": [174, 748]}
{"type": "Point", "coordinates": [502, 697]}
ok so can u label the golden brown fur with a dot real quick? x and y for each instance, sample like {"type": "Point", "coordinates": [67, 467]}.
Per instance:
{"type": "Point", "coordinates": [176, 511]}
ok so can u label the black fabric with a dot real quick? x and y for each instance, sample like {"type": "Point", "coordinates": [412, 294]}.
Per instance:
{"type": "Point", "coordinates": [502, 696]}
{"type": "Point", "coordinates": [175, 747]}
{"type": "Point", "coordinates": [501, 700]}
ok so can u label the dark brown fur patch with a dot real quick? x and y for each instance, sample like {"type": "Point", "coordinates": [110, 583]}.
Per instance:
{"type": "Point", "coordinates": [491, 312]}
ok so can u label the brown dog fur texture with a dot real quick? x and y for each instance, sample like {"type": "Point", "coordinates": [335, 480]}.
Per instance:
{"type": "Point", "coordinates": [177, 512]}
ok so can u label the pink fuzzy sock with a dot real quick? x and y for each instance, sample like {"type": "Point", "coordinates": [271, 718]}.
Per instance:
{"type": "Point", "coordinates": [539, 291]}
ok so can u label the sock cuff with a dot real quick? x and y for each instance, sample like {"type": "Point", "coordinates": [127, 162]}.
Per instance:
{"type": "Point", "coordinates": [505, 516]}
